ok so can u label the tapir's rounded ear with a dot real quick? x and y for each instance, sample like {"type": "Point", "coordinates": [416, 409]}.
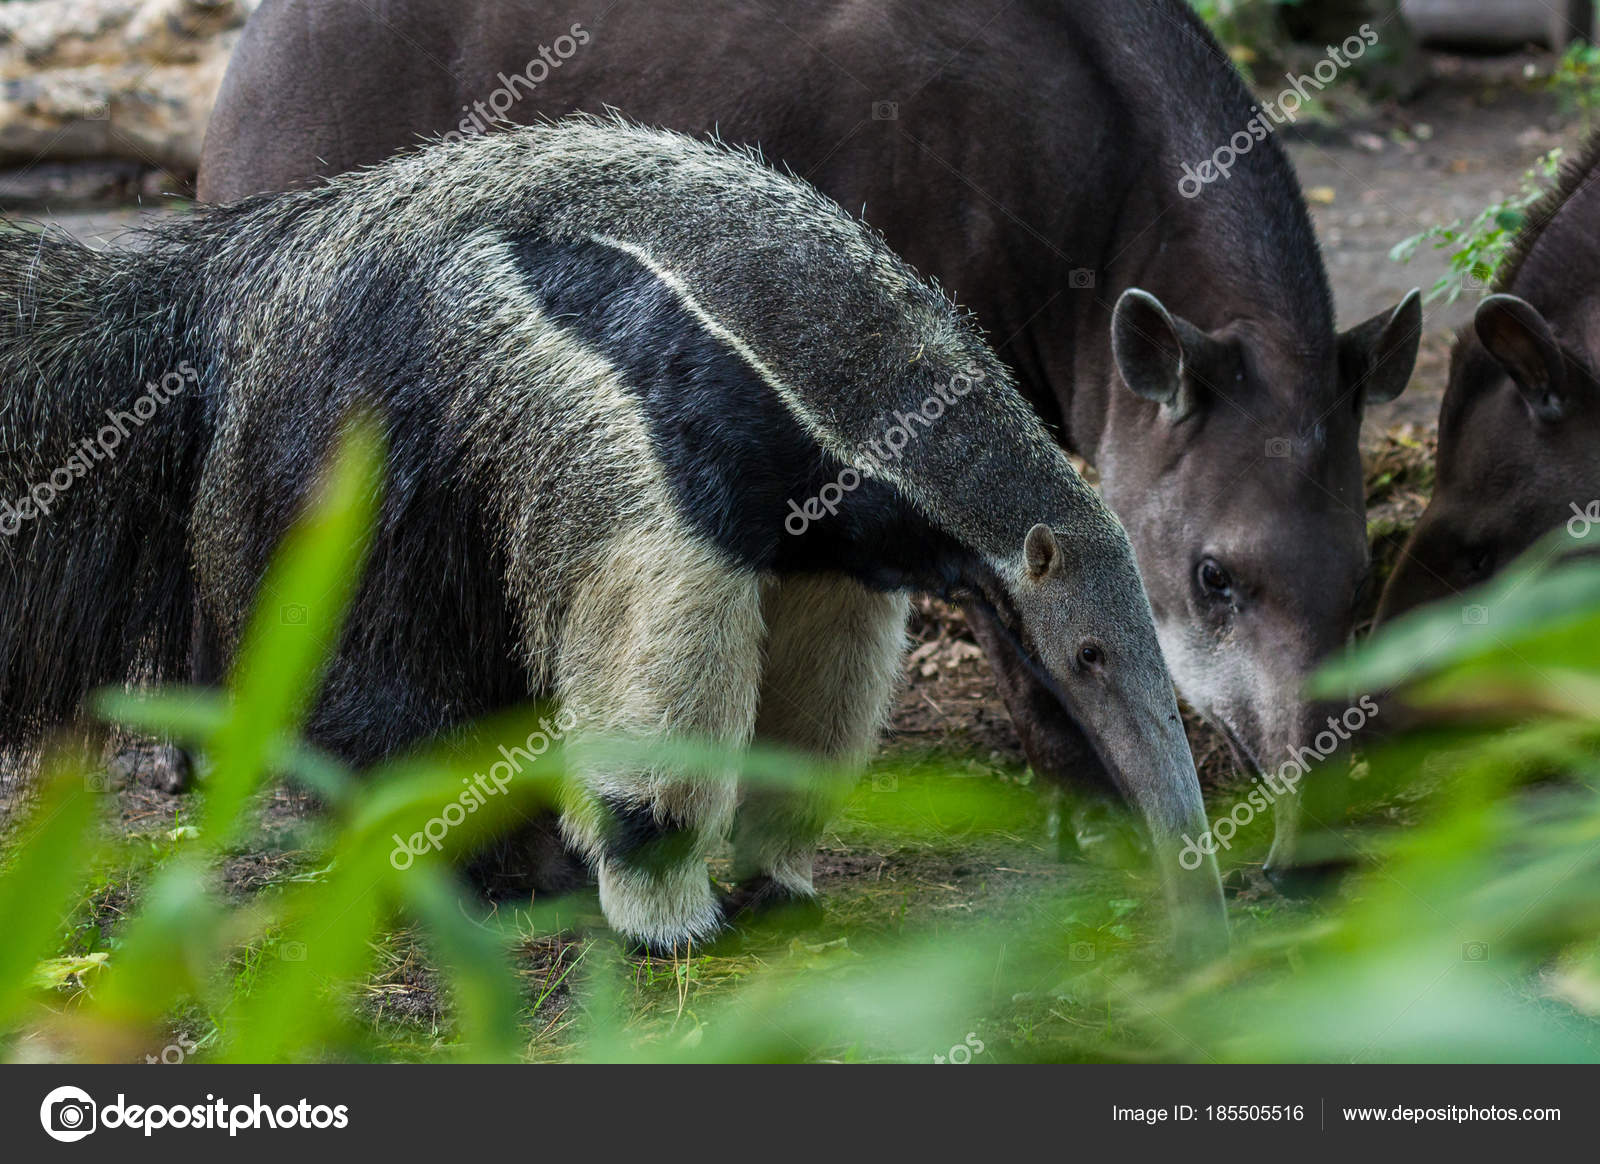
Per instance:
{"type": "Point", "coordinates": [1041, 551]}
{"type": "Point", "coordinates": [1158, 353]}
{"type": "Point", "coordinates": [1521, 341]}
{"type": "Point", "coordinates": [1376, 358]}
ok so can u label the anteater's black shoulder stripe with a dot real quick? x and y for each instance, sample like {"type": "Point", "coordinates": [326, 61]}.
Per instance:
{"type": "Point", "coordinates": [734, 454]}
{"type": "Point", "coordinates": [731, 450]}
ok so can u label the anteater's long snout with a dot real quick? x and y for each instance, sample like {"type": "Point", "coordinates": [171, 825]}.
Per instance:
{"type": "Point", "coordinates": [1176, 815]}
{"type": "Point", "coordinates": [1148, 755]}
{"type": "Point", "coordinates": [1132, 744]}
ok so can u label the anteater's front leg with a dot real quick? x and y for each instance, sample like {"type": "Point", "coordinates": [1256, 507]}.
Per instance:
{"type": "Point", "coordinates": [665, 644]}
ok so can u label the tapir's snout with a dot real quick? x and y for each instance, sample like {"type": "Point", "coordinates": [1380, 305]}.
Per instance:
{"type": "Point", "coordinates": [1322, 740]}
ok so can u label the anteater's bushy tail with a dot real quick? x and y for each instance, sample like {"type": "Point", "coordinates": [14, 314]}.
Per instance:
{"type": "Point", "coordinates": [101, 437]}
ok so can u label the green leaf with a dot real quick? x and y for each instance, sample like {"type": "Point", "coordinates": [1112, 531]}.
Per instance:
{"type": "Point", "coordinates": [295, 629]}
{"type": "Point", "coordinates": [487, 995]}
{"type": "Point", "coordinates": [1542, 608]}
{"type": "Point", "coordinates": [56, 973]}
{"type": "Point", "coordinates": [38, 885]}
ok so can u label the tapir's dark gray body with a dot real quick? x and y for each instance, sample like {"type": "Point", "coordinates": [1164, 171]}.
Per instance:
{"type": "Point", "coordinates": [1519, 429]}
{"type": "Point", "coordinates": [1028, 154]}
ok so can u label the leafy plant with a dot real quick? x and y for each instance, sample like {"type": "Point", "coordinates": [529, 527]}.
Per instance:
{"type": "Point", "coordinates": [1463, 929]}
{"type": "Point", "coordinates": [1576, 79]}
{"type": "Point", "coordinates": [178, 945]}
{"type": "Point", "coordinates": [1244, 22]}
{"type": "Point", "coordinates": [1477, 249]}
{"type": "Point", "coordinates": [1251, 30]}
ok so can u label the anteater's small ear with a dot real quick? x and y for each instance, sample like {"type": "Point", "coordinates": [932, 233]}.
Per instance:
{"type": "Point", "coordinates": [1521, 342]}
{"type": "Point", "coordinates": [1376, 358]}
{"type": "Point", "coordinates": [1160, 355]}
{"type": "Point", "coordinates": [1041, 551]}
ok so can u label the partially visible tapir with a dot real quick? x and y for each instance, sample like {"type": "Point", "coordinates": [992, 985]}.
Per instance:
{"type": "Point", "coordinates": [1040, 159]}
{"type": "Point", "coordinates": [1518, 447]}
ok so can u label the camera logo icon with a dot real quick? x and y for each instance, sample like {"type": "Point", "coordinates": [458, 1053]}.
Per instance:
{"type": "Point", "coordinates": [68, 1114]}
{"type": "Point", "coordinates": [1080, 952]}
{"type": "Point", "coordinates": [1475, 951]}
{"type": "Point", "coordinates": [1081, 279]}
{"type": "Point", "coordinates": [1279, 448]}
{"type": "Point", "coordinates": [294, 615]}
{"type": "Point", "coordinates": [1475, 615]}
{"type": "Point", "coordinates": [885, 111]}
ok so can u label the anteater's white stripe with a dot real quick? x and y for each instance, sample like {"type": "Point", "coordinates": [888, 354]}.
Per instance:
{"type": "Point", "coordinates": [813, 424]}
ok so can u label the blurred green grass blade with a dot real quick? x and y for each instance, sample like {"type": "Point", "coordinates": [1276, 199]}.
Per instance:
{"type": "Point", "coordinates": [300, 1007]}
{"type": "Point", "coordinates": [295, 628]}
{"type": "Point", "coordinates": [302, 1000]}
{"type": "Point", "coordinates": [190, 715]}
{"type": "Point", "coordinates": [468, 776]}
{"type": "Point", "coordinates": [487, 996]}
{"type": "Point", "coordinates": [765, 765]}
{"type": "Point", "coordinates": [1545, 609]}
{"type": "Point", "coordinates": [322, 775]}
{"type": "Point", "coordinates": [167, 951]}
{"type": "Point", "coordinates": [915, 802]}
{"type": "Point", "coordinates": [38, 884]}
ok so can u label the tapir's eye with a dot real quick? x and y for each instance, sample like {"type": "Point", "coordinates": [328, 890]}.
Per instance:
{"type": "Point", "coordinates": [1214, 580]}
{"type": "Point", "coordinates": [1479, 562]}
{"type": "Point", "coordinates": [1090, 655]}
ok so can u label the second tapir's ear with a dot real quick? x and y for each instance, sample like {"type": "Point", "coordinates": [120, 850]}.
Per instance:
{"type": "Point", "coordinates": [1159, 354]}
{"type": "Point", "coordinates": [1521, 342]}
{"type": "Point", "coordinates": [1041, 551]}
{"type": "Point", "coordinates": [1376, 357]}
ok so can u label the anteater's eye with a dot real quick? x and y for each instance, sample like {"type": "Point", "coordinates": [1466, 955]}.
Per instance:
{"type": "Point", "coordinates": [1214, 580]}
{"type": "Point", "coordinates": [1090, 655]}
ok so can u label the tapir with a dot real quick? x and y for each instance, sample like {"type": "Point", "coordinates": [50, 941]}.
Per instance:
{"type": "Point", "coordinates": [1517, 449]}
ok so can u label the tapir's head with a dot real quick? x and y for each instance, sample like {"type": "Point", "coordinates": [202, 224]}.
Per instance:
{"type": "Point", "coordinates": [1518, 453]}
{"type": "Point", "coordinates": [1080, 612]}
{"type": "Point", "coordinates": [1238, 476]}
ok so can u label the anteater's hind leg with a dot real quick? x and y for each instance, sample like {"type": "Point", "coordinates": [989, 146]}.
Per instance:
{"type": "Point", "coordinates": [833, 665]}
{"type": "Point", "coordinates": [663, 642]}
